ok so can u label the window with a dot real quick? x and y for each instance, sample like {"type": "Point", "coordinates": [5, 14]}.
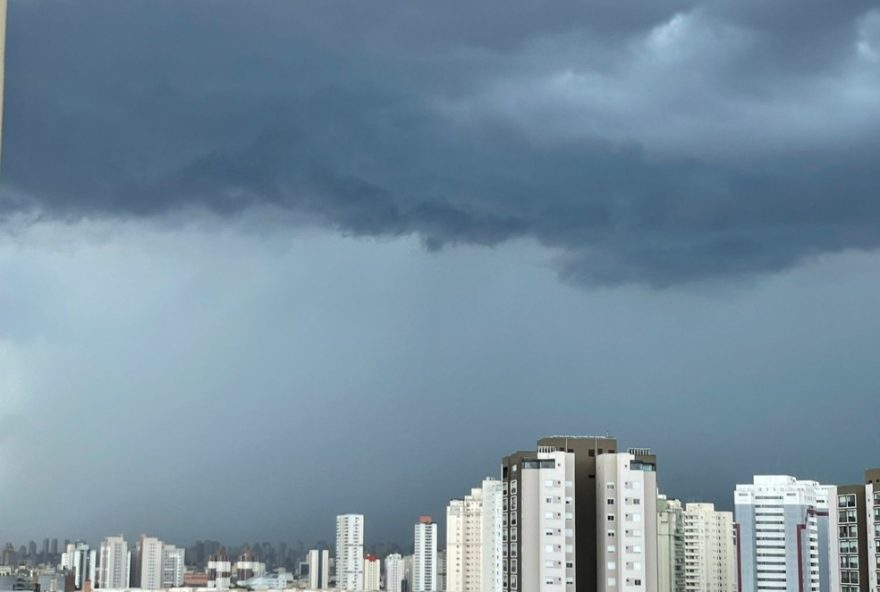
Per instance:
{"type": "Point", "coordinates": [612, 565]}
{"type": "Point", "coordinates": [846, 501]}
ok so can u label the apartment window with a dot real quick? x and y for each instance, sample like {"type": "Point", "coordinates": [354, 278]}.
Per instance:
{"type": "Point", "coordinates": [610, 501]}
{"type": "Point", "coordinates": [612, 548]}
{"type": "Point", "coordinates": [846, 501]}
{"type": "Point", "coordinates": [612, 565]}
{"type": "Point", "coordinates": [612, 581]}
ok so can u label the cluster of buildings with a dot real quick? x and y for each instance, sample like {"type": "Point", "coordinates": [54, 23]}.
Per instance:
{"type": "Point", "coordinates": [576, 514]}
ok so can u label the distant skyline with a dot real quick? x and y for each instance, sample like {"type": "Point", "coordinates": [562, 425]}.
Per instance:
{"type": "Point", "coordinates": [266, 263]}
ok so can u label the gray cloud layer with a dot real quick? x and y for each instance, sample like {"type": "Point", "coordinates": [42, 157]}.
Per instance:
{"type": "Point", "coordinates": [658, 143]}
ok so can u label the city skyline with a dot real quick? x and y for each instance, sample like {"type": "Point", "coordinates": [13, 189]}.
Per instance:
{"type": "Point", "coordinates": [265, 264]}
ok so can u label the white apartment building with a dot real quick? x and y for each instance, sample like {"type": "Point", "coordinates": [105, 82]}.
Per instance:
{"type": "Point", "coordinates": [670, 545]}
{"type": "Point", "coordinates": [473, 540]}
{"type": "Point", "coordinates": [394, 572]}
{"type": "Point", "coordinates": [626, 521]}
{"type": "Point", "coordinates": [709, 549]}
{"type": "Point", "coordinates": [464, 544]}
{"type": "Point", "coordinates": [538, 521]}
{"type": "Point", "coordinates": [372, 573]}
{"type": "Point", "coordinates": [425, 556]}
{"type": "Point", "coordinates": [114, 568]}
{"type": "Point", "coordinates": [319, 569]}
{"type": "Point", "coordinates": [173, 566]}
{"type": "Point", "coordinates": [350, 551]}
{"type": "Point", "coordinates": [491, 560]}
{"type": "Point", "coordinates": [82, 561]}
{"type": "Point", "coordinates": [785, 537]}
{"type": "Point", "coordinates": [149, 563]}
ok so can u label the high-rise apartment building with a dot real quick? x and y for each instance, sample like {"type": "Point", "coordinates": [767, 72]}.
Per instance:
{"type": "Point", "coordinates": [248, 567]}
{"type": "Point", "coordinates": [82, 561]}
{"type": "Point", "coordinates": [858, 534]}
{"type": "Point", "coordinates": [670, 545]}
{"type": "Point", "coordinates": [394, 572]}
{"type": "Point", "coordinates": [219, 572]}
{"type": "Point", "coordinates": [372, 573]}
{"type": "Point", "coordinates": [539, 528]}
{"type": "Point", "coordinates": [786, 542]}
{"type": "Point", "coordinates": [408, 573]}
{"type": "Point", "coordinates": [148, 564]}
{"type": "Point", "coordinates": [350, 551]}
{"type": "Point", "coordinates": [425, 556]}
{"type": "Point", "coordinates": [555, 548]}
{"type": "Point", "coordinates": [626, 517]}
{"type": "Point", "coordinates": [319, 569]}
{"type": "Point", "coordinates": [709, 549]}
{"type": "Point", "coordinates": [491, 533]}
{"type": "Point", "coordinates": [464, 543]}
{"type": "Point", "coordinates": [872, 513]}
{"type": "Point", "coordinates": [173, 566]}
{"type": "Point", "coordinates": [114, 567]}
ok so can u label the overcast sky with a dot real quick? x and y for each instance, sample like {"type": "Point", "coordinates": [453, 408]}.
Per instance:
{"type": "Point", "coordinates": [266, 262]}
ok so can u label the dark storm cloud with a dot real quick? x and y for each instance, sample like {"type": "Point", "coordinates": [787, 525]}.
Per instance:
{"type": "Point", "coordinates": [659, 143]}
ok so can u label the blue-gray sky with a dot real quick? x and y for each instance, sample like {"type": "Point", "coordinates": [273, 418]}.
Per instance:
{"type": "Point", "coordinates": [267, 262]}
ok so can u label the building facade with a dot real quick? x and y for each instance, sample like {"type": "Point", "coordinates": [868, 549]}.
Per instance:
{"type": "Point", "coordinates": [114, 566]}
{"type": "Point", "coordinates": [148, 565]}
{"type": "Point", "coordinates": [539, 521]}
{"type": "Point", "coordinates": [491, 534]}
{"type": "Point", "coordinates": [464, 545]}
{"type": "Point", "coordinates": [82, 561]}
{"type": "Point", "coordinates": [372, 573]}
{"type": "Point", "coordinates": [858, 533]}
{"type": "Point", "coordinates": [626, 519]}
{"type": "Point", "coordinates": [872, 512]}
{"type": "Point", "coordinates": [319, 569]}
{"type": "Point", "coordinates": [219, 572]}
{"type": "Point", "coordinates": [709, 549]}
{"type": "Point", "coordinates": [173, 566]}
{"type": "Point", "coordinates": [394, 572]}
{"type": "Point", "coordinates": [425, 556]}
{"type": "Point", "coordinates": [350, 552]}
{"type": "Point", "coordinates": [670, 545]}
{"type": "Point", "coordinates": [786, 540]}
